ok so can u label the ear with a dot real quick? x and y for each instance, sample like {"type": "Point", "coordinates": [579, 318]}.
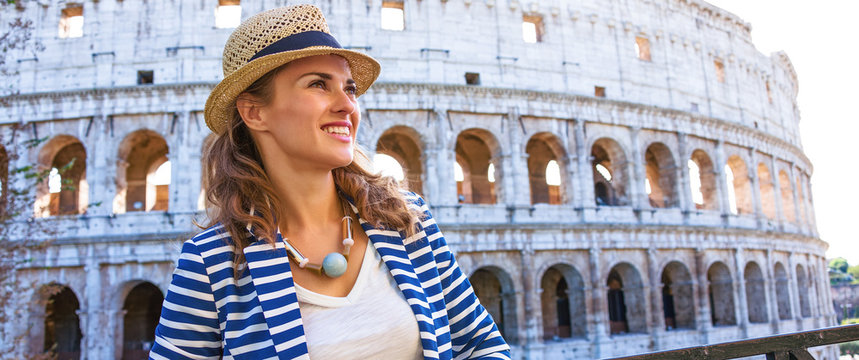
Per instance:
{"type": "Point", "coordinates": [249, 109]}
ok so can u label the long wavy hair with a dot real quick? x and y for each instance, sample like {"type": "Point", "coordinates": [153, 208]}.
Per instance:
{"type": "Point", "coordinates": [238, 183]}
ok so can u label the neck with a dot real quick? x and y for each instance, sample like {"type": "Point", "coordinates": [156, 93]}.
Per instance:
{"type": "Point", "coordinates": [308, 201]}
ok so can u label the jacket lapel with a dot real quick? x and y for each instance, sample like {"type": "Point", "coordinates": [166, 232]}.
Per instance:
{"type": "Point", "coordinates": [390, 246]}
{"type": "Point", "coordinates": [272, 279]}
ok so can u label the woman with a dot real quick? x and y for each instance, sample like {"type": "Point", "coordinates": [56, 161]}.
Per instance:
{"type": "Point", "coordinates": [310, 254]}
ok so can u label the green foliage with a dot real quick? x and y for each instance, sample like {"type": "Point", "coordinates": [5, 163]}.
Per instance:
{"type": "Point", "coordinates": [839, 264]}
{"type": "Point", "coordinates": [849, 348]}
{"type": "Point", "coordinates": [854, 271]}
{"type": "Point", "coordinates": [850, 321]}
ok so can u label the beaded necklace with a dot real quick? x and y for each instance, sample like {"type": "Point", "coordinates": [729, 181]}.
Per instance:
{"type": "Point", "coordinates": [334, 264]}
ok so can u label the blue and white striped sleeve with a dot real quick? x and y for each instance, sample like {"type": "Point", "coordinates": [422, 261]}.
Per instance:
{"type": "Point", "coordinates": [189, 326]}
{"type": "Point", "coordinates": [473, 333]}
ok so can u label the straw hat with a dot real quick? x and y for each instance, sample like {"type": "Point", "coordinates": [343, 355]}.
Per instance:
{"type": "Point", "coordinates": [270, 39]}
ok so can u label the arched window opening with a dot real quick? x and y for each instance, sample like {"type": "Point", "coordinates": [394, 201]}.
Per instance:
{"type": "Point", "coordinates": [402, 144]}
{"type": "Point", "coordinates": [787, 204]}
{"type": "Point", "coordinates": [721, 295]}
{"type": "Point", "coordinates": [608, 163]}
{"type": "Point", "coordinates": [62, 325]}
{"type": "Point", "coordinates": [616, 305]}
{"type": "Point", "coordinates": [142, 311]}
{"type": "Point", "coordinates": [802, 284]}
{"type": "Point", "coordinates": [385, 165]}
{"type": "Point", "coordinates": [781, 292]}
{"type": "Point", "coordinates": [474, 155]}
{"type": "Point", "coordinates": [739, 186]}
{"type": "Point", "coordinates": [544, 171]}
{"type": "Point", "coordinates": [702, 180]}
{"type": "Point", "coordinates": [626, 309]}
{"type": "Point", "coordinates": [494, 288]}
{"type": "Point", "coordinates": [678, 306]}
{"type": "Point", "coordinates": [562, 297]}
{"type": "Point", "coordinates": [65, 191]}
{"type": "Point", "coordinates": [755, 293]}
{"type": "Point", "coordinates": [660, 176]}
{"type": "Point", "coordinates": [143, 173]}
{"type": "Point", "coordinates": [767, 191]}
{"type": "Point", "coordinates": [463, 189]}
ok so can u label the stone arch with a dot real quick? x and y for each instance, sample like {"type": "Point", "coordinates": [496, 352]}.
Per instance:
{"type": "Point", "coordinates": [678, 303]}
{"type": "Point", "coordinates": [62, 328]}
{"type": "Point", "coordinates": [803, 285]}
{"type": "Point", "coordinates": [626, 303]}
{"type": "Point", "coordinates": [141, 153]}
{"type": "Point", "coordinates": [543, 148]}
{"type": "Point", "coordinates": [494, 288]}
{"type": "Point", "coordinates": [65, 190]}
{"type": "Point", "coordinates": [562, 298]}
{"type": "Point", "coordinates": [787, 205]}
{"type": "Point", "coordinates": [756, 296]}
{"type": "Point", "coordinates": [765, 183]}
{"type": "Point", "coordinates": [661, 175]}
{"type": "Point", "coordinates": [142, 308]}
{"type": "Point", "coordinates": [739, 186]}
{"type": "Point", "coordinates": [476, 150]}
{"type": "Point", "coordinates": [206, 147]}
{"type": "Point", "coordinates": [608, 155]}
{"type": "Point", "coordinates": [782, 284]}
{"type": "Point", "coordinates": [706, 189]}
{"type": "Point", "coordinates": [721, 295]}
{"type": "Point", "coordinates": [403, 144]}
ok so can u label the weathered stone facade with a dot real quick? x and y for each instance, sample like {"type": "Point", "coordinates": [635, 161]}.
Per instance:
{"type": "Point", "coordinates": [622, 257]}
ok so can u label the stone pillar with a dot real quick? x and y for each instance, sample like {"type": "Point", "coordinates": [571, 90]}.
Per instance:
{"type": "Point", "coordinates": [515, 170]}
{"type": "Point", "coordinates": [703, 315]}
{"type": "Point", "coordinates": [741, 304]}
{"type": "Point", "coordinates": [99, 156]}
{"type": "Point", "coordinates": [772, 295]}
{"type": "Point", "coordinates": [779, 207]}
{"type": "Point", "coordinates": [599, 310]}
{"type": "Point", "coordinates": [796, 305]}
{"type": "Point", "coordinates": [635, 183]}
{"type": "Point", "coordinates": [797, 205]}
{"type": "Point", "coordinates": [583, 185]}
{"type": "Point", "coordinates": [531, 340]}
{"type": "Point", "coordinates": [656, 325]}
{"type": "Point", "coordinates": [752, 169]}
{"type": "Point", "coordinates": [721, 183]}
{"type": "Point", "coordinates": [93, 342]}
{"type": "Point", "coordinates": [182, 197]}
{"type": "Point", "coordinates": [440, 159]}
{"type": "Point", "coordinates": [684, 188]}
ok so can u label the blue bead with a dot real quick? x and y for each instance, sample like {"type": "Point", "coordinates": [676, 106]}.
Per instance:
{"type": "Point", "coordinates": [334, 264]}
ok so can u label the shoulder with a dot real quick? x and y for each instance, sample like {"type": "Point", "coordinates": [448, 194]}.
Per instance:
{"type": "Point", "coordinates": [210, 242]}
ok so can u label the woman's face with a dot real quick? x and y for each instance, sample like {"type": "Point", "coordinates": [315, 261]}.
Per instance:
{"type": "Point", "coordinates": [313, 115]}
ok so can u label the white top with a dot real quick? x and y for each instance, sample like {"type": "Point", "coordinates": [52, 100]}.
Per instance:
{"type": "Point", "coordinates": [373, 321]}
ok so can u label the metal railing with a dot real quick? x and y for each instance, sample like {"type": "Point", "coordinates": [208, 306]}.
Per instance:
{"type": "Point", "coordinates": [779, 347]}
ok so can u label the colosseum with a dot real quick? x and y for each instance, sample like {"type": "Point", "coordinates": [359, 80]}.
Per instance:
{"type": "Point", "coordinates": [616, 177]}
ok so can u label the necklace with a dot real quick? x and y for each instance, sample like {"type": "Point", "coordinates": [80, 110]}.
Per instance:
{"type": "Point", "coordinates": [334, 264]}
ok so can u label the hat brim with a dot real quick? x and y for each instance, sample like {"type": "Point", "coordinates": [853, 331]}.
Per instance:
{"type": "Point", "coordinates": [222, 100]}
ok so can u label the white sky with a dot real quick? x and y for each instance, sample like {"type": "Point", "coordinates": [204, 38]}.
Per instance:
{"type": "Point", "coordinates": [822, 41]}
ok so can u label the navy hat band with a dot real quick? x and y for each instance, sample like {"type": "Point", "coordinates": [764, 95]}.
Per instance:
{"type": "Point", "coordinates": [298, 41]}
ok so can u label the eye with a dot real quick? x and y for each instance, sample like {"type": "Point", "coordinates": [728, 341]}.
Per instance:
{"type": "Point", "coordinates": [351, 90]}
{"type": "Point", "coordinates": [318, 84]}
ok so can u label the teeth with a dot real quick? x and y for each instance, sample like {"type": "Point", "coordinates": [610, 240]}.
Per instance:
{"type": "Point", "coordinates": [339, 130]}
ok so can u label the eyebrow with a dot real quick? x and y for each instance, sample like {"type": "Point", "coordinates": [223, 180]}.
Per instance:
{"type": "Point", "coordinates": [326, 76]}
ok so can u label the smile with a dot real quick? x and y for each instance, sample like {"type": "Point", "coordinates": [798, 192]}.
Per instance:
{"type": "Point", "coordinates": [337, 130]}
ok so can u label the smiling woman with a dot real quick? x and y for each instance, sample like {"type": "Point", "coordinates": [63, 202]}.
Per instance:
{"type": "Point", "coordinates": [289, 187]}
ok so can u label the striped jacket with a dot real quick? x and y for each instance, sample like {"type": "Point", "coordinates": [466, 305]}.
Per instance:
{"type": "Point", "coordinates": [209, 314]}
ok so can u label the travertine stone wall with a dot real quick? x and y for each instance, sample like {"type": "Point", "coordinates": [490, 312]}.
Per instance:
{"type": "Point", "coordinates": [592, 267]}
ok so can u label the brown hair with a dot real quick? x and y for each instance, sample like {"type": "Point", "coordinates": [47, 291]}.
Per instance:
{"type": "Point", "coordinates": [238, 183]}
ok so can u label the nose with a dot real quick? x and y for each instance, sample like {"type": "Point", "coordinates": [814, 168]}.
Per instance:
{"type": "Point", "coordinates": [344, 103]}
